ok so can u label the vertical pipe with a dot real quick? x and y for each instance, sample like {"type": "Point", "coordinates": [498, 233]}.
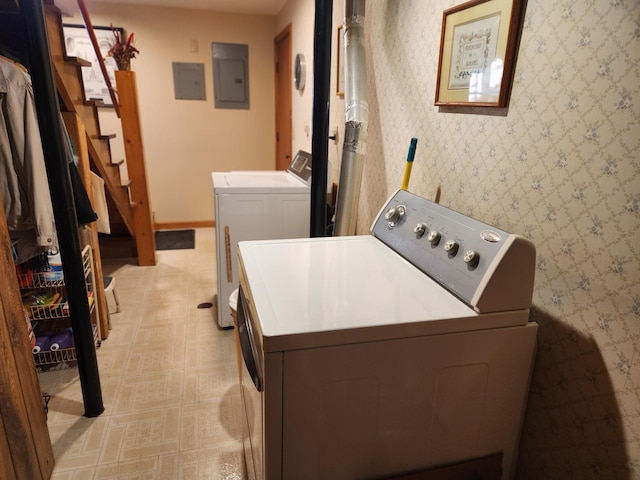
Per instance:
{"type": "Point", "coordinates": [357, 119]}
{"type": "Point", "coordinates": [63, 207]}
{"type": "Point", "coordinates": [320, 134]}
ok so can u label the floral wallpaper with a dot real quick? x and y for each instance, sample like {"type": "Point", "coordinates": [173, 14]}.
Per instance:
{"type": "Point", "coordinates": [561, 166]}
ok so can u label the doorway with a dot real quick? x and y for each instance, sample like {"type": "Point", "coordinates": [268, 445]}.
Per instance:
{"type": "Point", "coordinates": [283, 81]}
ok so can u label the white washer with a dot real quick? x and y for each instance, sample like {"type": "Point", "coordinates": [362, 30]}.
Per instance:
{"type": "Point", "coordinates": [256, 205]}
{"type": "Point", "coordinates": [380, 355]}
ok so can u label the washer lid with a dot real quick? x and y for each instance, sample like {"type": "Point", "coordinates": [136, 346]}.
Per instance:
{"type": "Point", "coordinates": [257, 182]}
{"type": "Point", "coordinates": [329, 291]}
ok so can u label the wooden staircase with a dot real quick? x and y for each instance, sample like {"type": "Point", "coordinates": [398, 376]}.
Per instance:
{"type": "Point", "coordinates": [130, 205]}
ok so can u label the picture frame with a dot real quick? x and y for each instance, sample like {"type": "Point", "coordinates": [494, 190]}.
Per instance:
{"type": "Point", "coordinates": [340, 63]}
{"type": "Point", "coordinates": [78, 44]}
{"type": "Point", "coordinates": [478, 45]}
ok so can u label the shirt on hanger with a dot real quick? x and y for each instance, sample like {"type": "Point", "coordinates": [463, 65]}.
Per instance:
{"type": "Point", "coordinates": [23, 177]}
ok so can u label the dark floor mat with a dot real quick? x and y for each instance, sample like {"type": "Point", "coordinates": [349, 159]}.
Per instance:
{"type": "Point", "coordinates": [175, 239]}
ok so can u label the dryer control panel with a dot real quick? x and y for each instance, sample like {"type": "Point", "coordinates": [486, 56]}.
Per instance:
{"type": "Point", "coordinates": [300, 166]}
{"type": "Point", "coordinates": [489, 269]}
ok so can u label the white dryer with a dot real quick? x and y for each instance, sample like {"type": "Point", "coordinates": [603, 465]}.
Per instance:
{"type": "Point", "coordinates": [256, 205]}
{"type": "Point", "coordinates": [380, 355]}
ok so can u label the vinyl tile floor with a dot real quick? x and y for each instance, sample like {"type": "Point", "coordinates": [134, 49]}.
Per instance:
{"type": "Point", "coordinates": [168, 376]}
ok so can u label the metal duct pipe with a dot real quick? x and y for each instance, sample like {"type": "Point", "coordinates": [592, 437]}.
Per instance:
{"type": "Point", "coordinates": [357, 119]}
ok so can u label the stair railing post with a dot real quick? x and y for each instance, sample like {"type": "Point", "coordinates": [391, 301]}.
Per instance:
{"type": "Point", "coordinates": [96, 46]}
{"type": "Point", "coordinates": [134, 152]}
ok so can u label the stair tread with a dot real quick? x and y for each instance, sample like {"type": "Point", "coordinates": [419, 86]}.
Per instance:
{"type": "Point", "coordinates": [95, 102]}
{"type": "Point", "coordinates": [78, 61]}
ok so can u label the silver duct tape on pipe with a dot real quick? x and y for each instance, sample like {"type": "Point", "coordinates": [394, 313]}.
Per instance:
{"type": "Point", "coordinates": [350, 180]}
{"type": "Point", "coordinates": [356, 98]}
{"type": "Point", "coordinates": [357, 120]}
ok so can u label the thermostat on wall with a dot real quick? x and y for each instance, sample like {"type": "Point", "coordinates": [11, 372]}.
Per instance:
{"type": "Point", "coordinates": [300, 72]}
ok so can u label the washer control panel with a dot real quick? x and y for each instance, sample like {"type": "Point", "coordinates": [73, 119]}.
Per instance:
{"type": "Point", "coordinates": [487, 268]}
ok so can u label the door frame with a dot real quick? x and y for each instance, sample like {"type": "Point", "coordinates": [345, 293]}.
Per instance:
{"type": "Point", "coordinates": [283, 97]}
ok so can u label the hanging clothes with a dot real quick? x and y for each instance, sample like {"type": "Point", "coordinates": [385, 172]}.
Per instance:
{"type": "Point", "coordinates": [84, 210]}
{"type": "Point", "coordinates": [100, 204]}
{"type": "Point", "coordinates": [23, 177]}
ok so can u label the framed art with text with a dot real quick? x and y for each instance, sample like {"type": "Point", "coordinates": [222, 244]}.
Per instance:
{"type": "Point", "coordinates": [478, 46]}
{"type": "Point", "coordinates": [78, 44]}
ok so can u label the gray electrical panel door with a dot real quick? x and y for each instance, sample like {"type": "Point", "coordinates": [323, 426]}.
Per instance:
{"type": "Point", "coordinates": [230, 75]}
{"type": "Point", "coordinates": [188, 81]}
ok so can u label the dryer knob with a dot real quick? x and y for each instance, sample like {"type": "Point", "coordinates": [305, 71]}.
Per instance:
{"type": "Point", "coordinates": [395, 214]}
{"type": "Point", "coordinates": [419, 230]}
{"type": "Point", "coordinates": [451, 247]}
{"type": "Point", "coordinates": [471, 258]}
{"type": "Point", "coordinates": [434, 237]}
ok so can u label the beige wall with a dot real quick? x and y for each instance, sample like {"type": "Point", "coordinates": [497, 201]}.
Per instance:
{"type": "Point", "coordinates": [300, 15]}
{"type": "Point", "coordinates": [185, 140]}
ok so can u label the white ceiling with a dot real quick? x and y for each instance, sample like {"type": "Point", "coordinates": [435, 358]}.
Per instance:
{"type": "Point", "coordinates": [255, 7]}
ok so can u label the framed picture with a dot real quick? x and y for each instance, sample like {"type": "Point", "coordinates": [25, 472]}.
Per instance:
{"type": "Point", "coordinates": [477, 53]}
{"type": "Point", "coordinates": [78, 44]}
{"type": "Point", "coordinates": [340, 64]}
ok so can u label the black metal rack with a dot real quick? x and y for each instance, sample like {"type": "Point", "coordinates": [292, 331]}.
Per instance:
{"type": "Point", "coordinates": [26, 35]}
{"type": "Point", "coordinates": [319, 144]}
